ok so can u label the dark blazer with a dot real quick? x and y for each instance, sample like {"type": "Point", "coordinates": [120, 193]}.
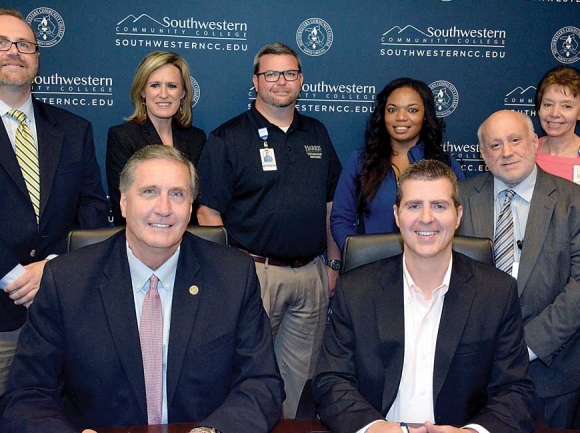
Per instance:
{"type": "Point", "coordinates": [480, 358]}
{"type": "Point", "coordinates": [548, 277]}
{"type": "Point", "coordinates": [82, 339]}
{"type": "Point", "coordinates": [126, 139]}
{"type": "Point", "coordinates": [71, 194]}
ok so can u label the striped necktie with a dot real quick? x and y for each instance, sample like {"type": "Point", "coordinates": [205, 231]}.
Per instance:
{"type": "Point", "coordinates": [503, 241]}
{"type": "Point", "coordinates": [27, 157]}
{"type": "Point", "coordinates": [151, 336]}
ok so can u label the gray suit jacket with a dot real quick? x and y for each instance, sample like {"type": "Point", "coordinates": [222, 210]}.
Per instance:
{"type": "Point", "coordinates": [549, 273]}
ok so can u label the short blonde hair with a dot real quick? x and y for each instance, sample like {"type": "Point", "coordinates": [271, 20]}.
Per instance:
{"type": "Point", "coordinates": [150, 63]}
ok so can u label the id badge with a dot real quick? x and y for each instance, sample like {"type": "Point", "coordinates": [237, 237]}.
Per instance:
{"type": "Point", "coordinates": [268, 159]}
{"type": "Point", "coordinates": [577, 174]}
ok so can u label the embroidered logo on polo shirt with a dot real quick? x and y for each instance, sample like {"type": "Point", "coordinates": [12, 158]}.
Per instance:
{"type": "Point", "coordinates": [313, 151]}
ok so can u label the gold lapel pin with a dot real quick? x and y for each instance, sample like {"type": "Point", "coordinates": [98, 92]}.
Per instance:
{"type": "Point", "coordinates": [193, 290]}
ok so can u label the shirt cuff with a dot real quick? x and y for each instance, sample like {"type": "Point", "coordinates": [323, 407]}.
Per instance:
{"type": "Point", "coordinates": [532, 355]}
{"type": "Point", "coordinates": [477, 428]}
{"type": "Point", "coordinates": [366, 427]}
{"type": "Point", "coordinates": [16, 272]}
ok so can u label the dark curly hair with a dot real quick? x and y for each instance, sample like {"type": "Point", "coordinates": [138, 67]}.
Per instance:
{"type": "Point", "coordinates": [376, 159]}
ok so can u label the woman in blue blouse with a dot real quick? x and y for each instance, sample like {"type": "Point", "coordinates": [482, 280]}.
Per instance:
{"type": "Point", "coordinates": [403, 129]}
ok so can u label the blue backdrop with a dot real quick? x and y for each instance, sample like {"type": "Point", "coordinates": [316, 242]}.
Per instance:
{"type": "Point", "coordinates": [477, 56]}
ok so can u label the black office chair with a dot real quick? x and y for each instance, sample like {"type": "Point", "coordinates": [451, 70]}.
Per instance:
{"type": "Point", "coordinates": [82, 237]}
{"type": "Point", "coordinates": [362, 249]}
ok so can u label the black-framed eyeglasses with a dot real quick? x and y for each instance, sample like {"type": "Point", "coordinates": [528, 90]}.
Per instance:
{"type": "Point", "coordinates": [24, 47]}
{"type": "Point", "coordinates": [273, 76]}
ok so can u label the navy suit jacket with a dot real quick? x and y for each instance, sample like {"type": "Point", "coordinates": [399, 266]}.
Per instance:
{"type": "Point", "coordinates": [126, 139]}
{"type": "Point", "coordinates": [481, 360]}
{"type": "Point", "coordinates": [79, 362]}
{"type": "Point", "coordinates": [549, 273]}
{"type": "Point", "coordinates": [71, 194]}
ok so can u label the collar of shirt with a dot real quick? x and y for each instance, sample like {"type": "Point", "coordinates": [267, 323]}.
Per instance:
{"type": "Point", "coordinates": [26, 108]}
{"type": "Point", "coordinates": [11, 123]}
{"type": "Point", "coordinates": [416, 293]}
{"type": "Point", "coordinates": [140, 273]}
{"type": "Point", "coordinates": [524, 189]}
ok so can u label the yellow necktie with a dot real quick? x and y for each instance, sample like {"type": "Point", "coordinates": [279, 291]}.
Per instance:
{"type": "Point", "coordinates": [27, 157]}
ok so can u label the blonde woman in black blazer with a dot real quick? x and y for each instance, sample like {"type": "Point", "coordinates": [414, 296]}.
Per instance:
{"type": "Point", "coordinates": [161, 93]}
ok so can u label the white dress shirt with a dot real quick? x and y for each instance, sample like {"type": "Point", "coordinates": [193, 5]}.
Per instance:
{"type": "Point", "coordinates": [140, 275]}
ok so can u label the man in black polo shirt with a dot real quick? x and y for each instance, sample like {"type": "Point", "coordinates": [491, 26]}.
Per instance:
{"type": "Point", "coordinates": [268, 176]}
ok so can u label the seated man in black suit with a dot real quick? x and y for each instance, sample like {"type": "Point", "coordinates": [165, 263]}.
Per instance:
{"type": "Point", "coordinates": [429, 336]}
{"type": "Point", "coordinates": [152, 326]}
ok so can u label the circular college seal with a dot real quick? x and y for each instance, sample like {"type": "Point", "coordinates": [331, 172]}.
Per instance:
{"type": "Point", "coordinates": [446, 97]}
{"type": "Point", "coordinates": [48, 26]}
{"type": "Point", "coordinates": [314, 36]}
{"type": "Point", "coordinates": [196, 91]}
{"type": "Point", "coordinates": [565, 44]}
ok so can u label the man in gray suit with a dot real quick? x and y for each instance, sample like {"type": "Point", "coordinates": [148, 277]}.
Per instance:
{"type": "Point", "coordinates": [542, 252]}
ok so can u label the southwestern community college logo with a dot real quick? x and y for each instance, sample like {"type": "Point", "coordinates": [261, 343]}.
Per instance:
{"type": "Point", "coordinates": [446, 97]}
{"type": "Point", "coordinates": [48, 25]}
{"type": "Point", "coordinates": [522, 100]}
{"type": "Point", "coordinates": [196, 91]}
{"type": "Point", "coordinates": [314, 36]}
{"type": "Point", "coordinates": [565, 45]}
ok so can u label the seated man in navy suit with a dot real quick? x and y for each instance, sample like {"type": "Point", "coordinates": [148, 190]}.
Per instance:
{"type": "Point", "coordinates": [430, 336]}
{"type": "Point", "coordinates": [151, 326]}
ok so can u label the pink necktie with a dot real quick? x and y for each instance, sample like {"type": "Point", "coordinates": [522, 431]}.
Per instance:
{"type": "Point", "coordinates": [151, 335]}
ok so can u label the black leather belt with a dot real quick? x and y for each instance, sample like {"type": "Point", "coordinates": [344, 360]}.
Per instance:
{"type": "Point", "coordinates": [277, 262]}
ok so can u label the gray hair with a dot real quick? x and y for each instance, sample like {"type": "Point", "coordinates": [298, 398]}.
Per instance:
{"type": "Point", "coordinates": [156, 151]}
{"type": "Point", "coordinates": [527, 120]}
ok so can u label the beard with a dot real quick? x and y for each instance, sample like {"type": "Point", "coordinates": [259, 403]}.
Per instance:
{"type": "Point", "coordinates": [279, 102]}
{"type": "Point", "coordinates": [14, 76]}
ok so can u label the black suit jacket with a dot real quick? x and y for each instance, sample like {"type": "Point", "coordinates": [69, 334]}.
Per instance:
{"type": "Point", "coordinates": [126, 139]}
{"type": "Point", "coordinates": [71, 194]}
{"type": "Point", "coordinates": [480, 358]}
{"type": "Point", "coordinates": [549, 273]}
{"type": "Point", "coordinates": [78, 361]}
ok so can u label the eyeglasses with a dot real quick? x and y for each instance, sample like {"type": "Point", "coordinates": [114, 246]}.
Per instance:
{"type": "Point", "coordinates": [273, 76]}
{"type": "Point", "coordinates": [23, 47]}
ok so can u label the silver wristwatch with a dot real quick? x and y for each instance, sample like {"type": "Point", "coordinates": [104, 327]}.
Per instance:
{"type": "Point", "coordinates": [334, 264]}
